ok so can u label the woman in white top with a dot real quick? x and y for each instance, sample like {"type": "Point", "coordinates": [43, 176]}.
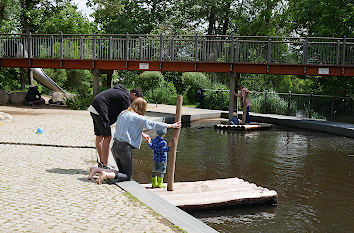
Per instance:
{"type": "Point", "coordinates": [128, 135]}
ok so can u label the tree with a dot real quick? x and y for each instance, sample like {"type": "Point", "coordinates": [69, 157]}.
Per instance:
{"type": "Point", "coordinates": [126, 16]}
{"type": "Point", "coordinates": [332, 18]}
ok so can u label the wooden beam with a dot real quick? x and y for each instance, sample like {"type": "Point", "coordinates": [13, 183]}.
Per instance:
{"type": "Point", "coordinates": [174, 142]}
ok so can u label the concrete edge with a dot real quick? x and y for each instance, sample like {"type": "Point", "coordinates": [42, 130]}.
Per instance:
{"type": "Point", "coordinates": [172, 213]}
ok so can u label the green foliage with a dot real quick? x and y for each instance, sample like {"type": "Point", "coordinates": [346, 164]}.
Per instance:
{"type": "Point", "coordinates": [217, 99]}
{"type": "Point", "coordinates": [164, 94]}
{"type": "Point", "coordinates": [194, 81]}
{"type": "Point", "coordinates": [126, 78]}
{"type": "Point", "coordinates": [271, 103]}
{"type": "Point", "coordinates": [279, 83]}
{"type": "Point", "coordinates": [134, 17]}
{"type": "Point", "coordinates": [68, 20]}
{"type": "Point", "coordinates": [332, 18]}
{"type": "Point", "coordinates": [10, 79]}
{"type": "Point", "coordinates": [148, 81]}
{"type": "Point", "coordinates": [178, 81]}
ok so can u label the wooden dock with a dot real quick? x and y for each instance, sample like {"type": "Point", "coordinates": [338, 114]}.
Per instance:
{"type": "Point", "coordinates": [215, 194]}
{"type": "Point", "coordinates": [258, 126]}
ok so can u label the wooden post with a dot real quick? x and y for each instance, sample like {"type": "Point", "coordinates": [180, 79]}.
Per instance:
{"type": "Point", "coordinates": [174, 142]}
{"type": "Point", "coordinates": [244, 108]}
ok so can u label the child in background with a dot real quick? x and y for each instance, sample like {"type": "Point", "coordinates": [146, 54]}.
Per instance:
{"type": "Point", "coordinates": [234, 119]}
{"type": "Point", "coordinates": [160, 147]}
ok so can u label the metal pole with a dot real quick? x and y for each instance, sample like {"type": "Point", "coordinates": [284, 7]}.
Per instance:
{"type": "Point", "coordinates": [304, 58]}
{"type": "Point", "coordinates": [332, 108]}
{"type": "Point", "coordinates": [196, 52]}
{"type": "Point", "coordinates": [126, 50]}
{"type": "Point", "coordinates": [310, 103]}
{"type": "Point", "coordinates": [343, 54]}
{"type": "Point", "coordinates": [289, 103]}
{"type": "Point", "coordinates": [174, 142]}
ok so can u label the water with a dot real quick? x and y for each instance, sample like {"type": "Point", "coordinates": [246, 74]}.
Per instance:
{"type": "Point", "coordinates": [312, 172]}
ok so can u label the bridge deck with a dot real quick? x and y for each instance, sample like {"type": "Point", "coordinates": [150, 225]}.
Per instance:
{"type": "Point", "coordinates": [251, 68]}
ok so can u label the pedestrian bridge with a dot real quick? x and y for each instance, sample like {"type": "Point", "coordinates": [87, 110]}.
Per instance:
{"type": "Point", "coordinates": [186, 53]}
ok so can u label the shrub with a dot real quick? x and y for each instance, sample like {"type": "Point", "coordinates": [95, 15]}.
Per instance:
{"type": "Point", "coordinates": [194, 81]}
{"type": "Point", "coordinates": [271, 103]}
{"type": "Point", "coordinates": [148, 81]}
{"type": "Point", "coordinates": [161, 94]}
{"type": "Point", "coordinates": [216, 99]}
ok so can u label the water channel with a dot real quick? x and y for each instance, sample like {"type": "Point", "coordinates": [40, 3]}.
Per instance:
{"type": "Point", "coordinates": [312, 172]}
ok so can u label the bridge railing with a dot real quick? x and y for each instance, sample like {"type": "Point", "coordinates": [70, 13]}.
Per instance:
{"type": "Point", "coordinates": [192, 48]}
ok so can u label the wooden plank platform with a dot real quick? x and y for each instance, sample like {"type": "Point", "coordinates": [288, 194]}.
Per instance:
{"type": "Point", "coordinates": [258, 126]}
{"type": "Point", "coordinates": [215, 194]}
{"type": "Point", "coordinates": [175, 215]}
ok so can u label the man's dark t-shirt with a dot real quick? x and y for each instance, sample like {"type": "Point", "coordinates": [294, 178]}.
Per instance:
{"type": "Point", "coordinates": [110, 103]}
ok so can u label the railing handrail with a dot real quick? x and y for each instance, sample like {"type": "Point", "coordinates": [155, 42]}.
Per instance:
{"type": "Point", "coordinates": [282, 93]}
{"type": "Point", "coordinates": [175, 35]}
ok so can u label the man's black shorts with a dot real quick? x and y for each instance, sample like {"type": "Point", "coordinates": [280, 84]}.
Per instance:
{"type": "Point", "coordinates": [99, 128]}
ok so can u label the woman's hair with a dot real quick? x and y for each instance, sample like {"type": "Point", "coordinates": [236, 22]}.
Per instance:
{"type": "Point", "coordinates": [139, 106]}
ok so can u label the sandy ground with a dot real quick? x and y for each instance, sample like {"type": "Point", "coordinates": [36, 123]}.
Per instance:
{"type": "Point", "coordinates": [45, 188]}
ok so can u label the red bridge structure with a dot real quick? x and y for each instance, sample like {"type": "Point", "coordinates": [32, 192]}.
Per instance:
{"type": "Point", "coordinates": [319, 56]}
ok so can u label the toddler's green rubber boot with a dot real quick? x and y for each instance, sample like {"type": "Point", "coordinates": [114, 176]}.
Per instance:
{"type": "Point", "coordinates": [154, 181]}
{"type": "Point", "coordinates": [160, 182]}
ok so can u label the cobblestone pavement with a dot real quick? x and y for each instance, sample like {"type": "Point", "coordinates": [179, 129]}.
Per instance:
{"type": "Point", "coordinates": [45, 189]}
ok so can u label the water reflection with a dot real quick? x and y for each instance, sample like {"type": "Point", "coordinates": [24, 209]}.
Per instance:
{"type": "Point", "coordinates": [311, 172]}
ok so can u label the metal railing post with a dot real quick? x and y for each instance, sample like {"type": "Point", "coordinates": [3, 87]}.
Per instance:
{"type": "Point", "coordinates": [126, 50]}
{"type": "Point", "coordinates": [204, 56]}
{"type": "Point", "coordinates": [51, 47]}
{"type": "Point", "coordinates": [61, 46]}
{"type": "Point", "coordinates": [343, 54]}
{"type": "Point", "coordinates": [141, 48]}
{"type": "Point", "coordinates": [172, 49]}
{"type": "Point", "coordinates": [310, 105]}
{"type": "Point", "coordinates": [289, 102]}
{"type": "Point", "coordinates": [93, 46]}
{"type": "Point", "coordinates": [232, 52]}
{"type": "Point", "coordinates": [161, 41]}
{"type": "Point", "coordinates": [196, 52]}
{"type": "Point", "coordinates": [269, 52]}
{"type": "Point", "coordinates": [266, 101]}
{"type": "Point", "coordinates": [29, 44]}
{"type": "Point", "coordinates": [332, 108]}
{"type": "Point", "coordinates": [110, 48]}
{"type": "Point", "coordinates": [237, 50]}
{"type": "Point", "coordinates": [304, 54]}
{"type": "Point", "coordinates": [81, 48]}
{"type": "Point", "coordinates": [338, 52]}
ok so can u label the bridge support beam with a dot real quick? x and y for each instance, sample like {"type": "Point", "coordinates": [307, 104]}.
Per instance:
{"type": "Point", "coordinates": [96, 81]}
{"type": "Point", "coordinates": [234, 78]}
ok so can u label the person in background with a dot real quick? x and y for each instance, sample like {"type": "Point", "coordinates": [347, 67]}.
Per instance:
{"type": "Point", "coordinates": [160, 148]}
{"type": "Point", "coordinates": [128, 135]}
{"type": "Point", "coordinates": [234, 120]}
{"type": "Point", "coordinates": [245, 100]}
{"type": "Point", "coordinates": [33, 97]}
{"type": "Point", "coordinates": [104, 109]}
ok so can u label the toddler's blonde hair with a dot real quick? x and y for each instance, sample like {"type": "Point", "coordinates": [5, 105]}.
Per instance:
{"type": "Point", "coordinates": [139, 106]}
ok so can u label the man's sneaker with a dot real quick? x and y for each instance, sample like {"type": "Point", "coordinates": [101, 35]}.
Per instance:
{"type": "Point", "coordinates": [100, 164]}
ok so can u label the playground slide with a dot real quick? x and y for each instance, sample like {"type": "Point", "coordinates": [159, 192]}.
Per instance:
{"type": "Point", "coordinates": [38, 73]}
{"type": "Point", "coordinates": [42, 78]}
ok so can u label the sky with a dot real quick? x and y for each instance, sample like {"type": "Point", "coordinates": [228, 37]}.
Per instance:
{"type": "Point", "coordinates": [81, 5]}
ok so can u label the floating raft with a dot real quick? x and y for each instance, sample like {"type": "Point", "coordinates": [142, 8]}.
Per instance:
{"type": "Point", "coordinates": [215, 194]}
{"type": "Point", "coordinates": [260, 126]}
